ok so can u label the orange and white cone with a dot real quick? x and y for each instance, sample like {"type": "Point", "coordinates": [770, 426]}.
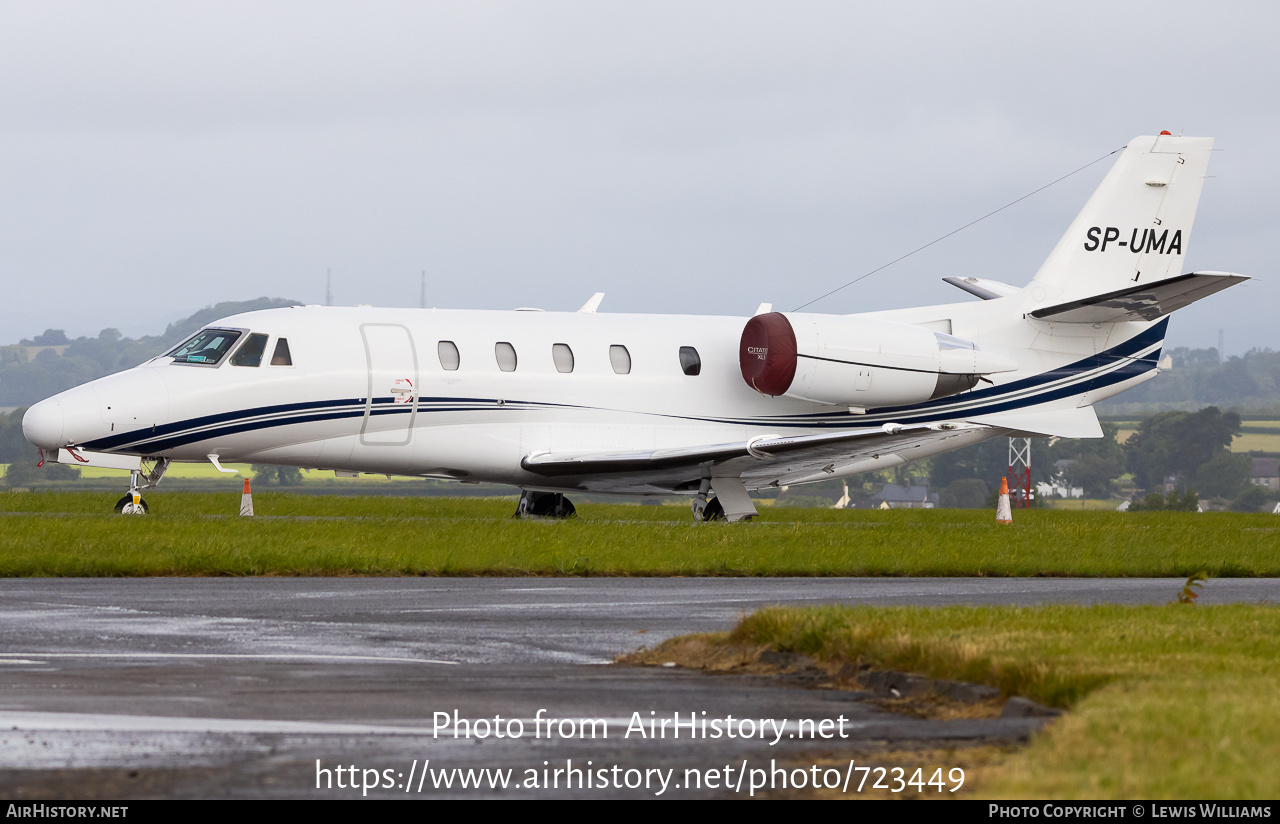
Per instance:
{"type": "Point", "coordinates": [1004, 515]}
{"type": "Point", "coordinates": [246, 500]}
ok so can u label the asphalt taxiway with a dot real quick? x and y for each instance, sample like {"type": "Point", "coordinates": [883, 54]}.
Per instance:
{"type": "Point", "coordinates": [246, 688]}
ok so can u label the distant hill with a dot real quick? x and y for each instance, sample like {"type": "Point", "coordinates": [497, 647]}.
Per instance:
{"type": "Point", "coordinates": [34, 369]}
{"type": "Point", "coordinates": [175, 333]}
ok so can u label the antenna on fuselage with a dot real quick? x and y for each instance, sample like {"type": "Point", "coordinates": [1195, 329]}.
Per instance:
{"type": "Point", "coordinates": [422, 295]}
{"type": "Point", "coordinates": [328, 287]}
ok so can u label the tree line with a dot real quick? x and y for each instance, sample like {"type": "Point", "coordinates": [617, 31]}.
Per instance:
{"type": "Point", "coordinates": [1200, 377]}
{"type": "Point", "coordinates": [1187, 452]}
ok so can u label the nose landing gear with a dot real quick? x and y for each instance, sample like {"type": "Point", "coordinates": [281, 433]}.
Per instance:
{"type": "Point", "coordinates": [140, 479]}
{"type": "Point", "coordinates": [132, 504]}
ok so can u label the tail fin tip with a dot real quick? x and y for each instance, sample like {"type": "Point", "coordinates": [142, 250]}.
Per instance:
{"type": "Point", "coordinates": [1134, 229]}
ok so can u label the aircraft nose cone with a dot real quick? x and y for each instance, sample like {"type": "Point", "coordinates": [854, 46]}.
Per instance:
{"type": "Point", "coordinates": [42, 425]}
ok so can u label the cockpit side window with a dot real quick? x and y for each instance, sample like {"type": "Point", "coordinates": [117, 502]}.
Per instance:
{"type": "Point", "coordinates": [281, 356]}
{"type": "Point", "coordinates": [206, 348]}
{"type": "Point", "coordinates": [250, 352]}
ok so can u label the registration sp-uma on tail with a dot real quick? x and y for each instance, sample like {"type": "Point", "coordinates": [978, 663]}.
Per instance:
{"type": "Point", "coordinates": [712, 407]}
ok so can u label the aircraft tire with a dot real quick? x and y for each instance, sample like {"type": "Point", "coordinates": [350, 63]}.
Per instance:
{"type": "Point", "coordinates": [127, 500]}
{"type": "Point", "coordinates": [713, 511]}
{"type": "Point", "coordinates": [551, 505]}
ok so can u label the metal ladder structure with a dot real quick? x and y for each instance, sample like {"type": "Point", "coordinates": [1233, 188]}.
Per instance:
{"type": "Point", "coordinates": [1020, 472]}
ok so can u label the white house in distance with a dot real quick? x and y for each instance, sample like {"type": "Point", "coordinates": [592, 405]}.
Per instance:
{"type": "Point", "coordinates": [914, 496]}
{"type": "Point", "coordinates": [1058, 487]}
{"type": "Point", "coordinates": [1266, 472]}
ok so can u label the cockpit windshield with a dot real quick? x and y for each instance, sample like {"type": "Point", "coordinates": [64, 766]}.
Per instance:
{"type": "Point", "coordinates": [207, 347]}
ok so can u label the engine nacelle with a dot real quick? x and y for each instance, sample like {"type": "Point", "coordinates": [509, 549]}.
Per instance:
{"type": "Point", "coordinates": [857, 361]}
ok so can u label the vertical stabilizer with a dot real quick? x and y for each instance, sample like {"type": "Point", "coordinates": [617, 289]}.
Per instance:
{"type": "Point", "coordinates": [1135, 228]}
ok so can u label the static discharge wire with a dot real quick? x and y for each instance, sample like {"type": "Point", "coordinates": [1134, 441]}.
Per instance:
{"type": "Point", "coordinates": [954, 231]}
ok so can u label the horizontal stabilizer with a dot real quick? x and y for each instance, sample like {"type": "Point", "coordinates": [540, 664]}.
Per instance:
{"type": "Point", "coordinates": [1149, 301]}
{"type": "Point", "coordinates": [983, 288]}
{"type": "Point", "coordinates": [1073, 422]}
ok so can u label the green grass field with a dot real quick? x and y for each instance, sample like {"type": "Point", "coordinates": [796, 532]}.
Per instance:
{"type": "Point", "coordinates": [1255, 435]}
{"type": "Point", "coordinates": [1164, 702]}
{"type": "Point", "coordinates": [1078, 504]}
{"type": "Point", "coordinates": [71, 534]}
{"type": "Point", "coordinates": [1255, 442]}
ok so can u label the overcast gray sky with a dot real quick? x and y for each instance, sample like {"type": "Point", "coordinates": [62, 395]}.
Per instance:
{"type": "Point", "coordinates": [686, 157]}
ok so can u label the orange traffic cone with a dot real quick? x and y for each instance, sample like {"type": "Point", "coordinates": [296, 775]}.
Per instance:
{"type": "Point", "coordinates": [1004, 515]}
{"type": "Point", "coordinates": [246, 500]}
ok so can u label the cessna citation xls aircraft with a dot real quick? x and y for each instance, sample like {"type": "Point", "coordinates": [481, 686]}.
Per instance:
{"type": "Point", "coordinates": [712, 407]}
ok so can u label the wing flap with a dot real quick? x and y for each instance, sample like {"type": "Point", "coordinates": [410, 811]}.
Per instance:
{"type": "Point", "coordinates": [763, 457]}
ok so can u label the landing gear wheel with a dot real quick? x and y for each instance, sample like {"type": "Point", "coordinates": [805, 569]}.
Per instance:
{"type": "Point", "coordinates": [545, 505]}
{"type": "Point", "coordinates": [125, 506]}
{"type": "Point", "coordinates": [713, 511]}
{"type": "Point", "coordinates": [551, 505]}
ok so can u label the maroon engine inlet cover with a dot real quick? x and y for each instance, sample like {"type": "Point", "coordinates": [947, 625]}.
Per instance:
{"type": "Point", "coordinates": [767, 354]}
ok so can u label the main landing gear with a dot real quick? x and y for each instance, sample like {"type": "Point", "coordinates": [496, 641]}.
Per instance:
{"type": "Point", "coordinates": [713, 511]}
{"type": "Point", "coordinates": [139, 479]}
{"type": "Point", "coordinates": [731, 501]}
{"type": "Point", "coordinates": [544, 505]}
{"type": "Point", "coordinates": [707, 508]}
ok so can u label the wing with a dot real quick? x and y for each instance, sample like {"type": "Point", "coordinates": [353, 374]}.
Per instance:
{"type": "Point", "coordinates": [759, 462]}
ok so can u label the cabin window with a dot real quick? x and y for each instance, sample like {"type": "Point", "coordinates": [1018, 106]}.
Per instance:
{"type": "Point", "coordinates": [506, 355]}
{"type": "Point", "coordinates": [250, 352]}
{"type": "Point", "coordinates": [620, 358]}
{"type": "Point", "coordinates": [449, 357]}
{"type": "Point", "coordinates": [206, 347]}
{"type": "Point", "coordinates": [689, 360]}
{"type": "Point", "coordinates": [562, 355]}
{"type": "Point", "coordinates": [281, 356]}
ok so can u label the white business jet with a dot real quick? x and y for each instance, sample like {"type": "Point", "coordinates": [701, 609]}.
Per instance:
{"type": "Point", "coordinates": [712, 407]}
